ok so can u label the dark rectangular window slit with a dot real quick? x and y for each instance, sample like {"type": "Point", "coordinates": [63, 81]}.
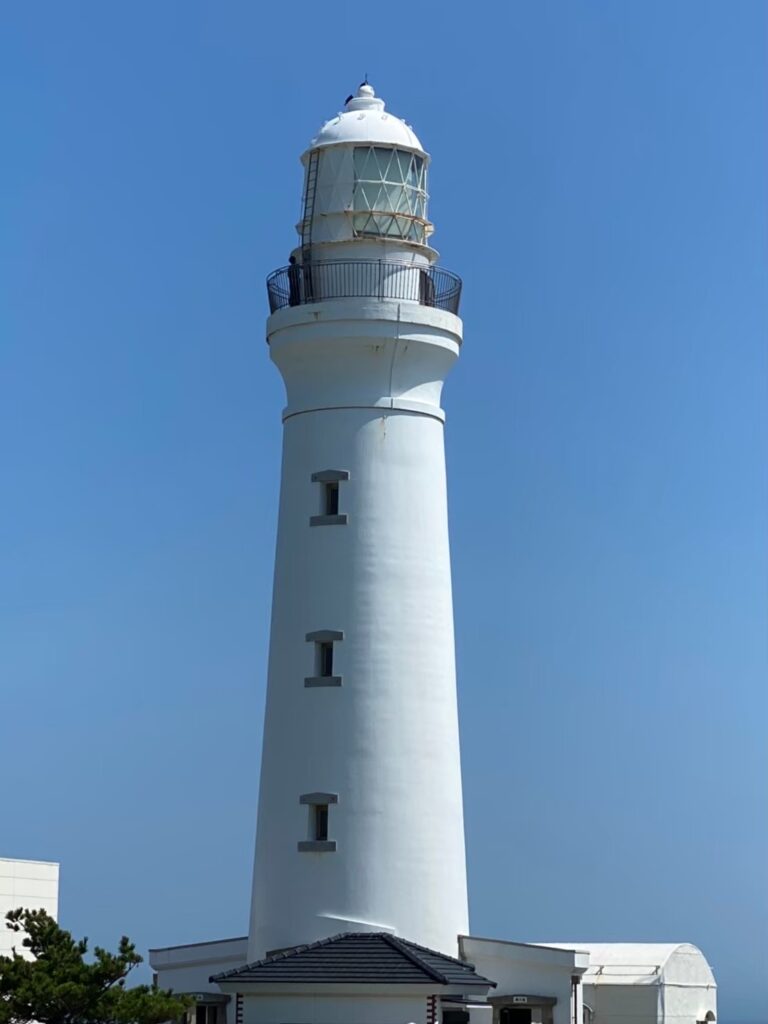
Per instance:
{"type": "Point", "coordinates": [320, 822]}
{"type": "Point", "coordinates": [325, 659]}
{"type": "Point", "coordinates": [331, 498]}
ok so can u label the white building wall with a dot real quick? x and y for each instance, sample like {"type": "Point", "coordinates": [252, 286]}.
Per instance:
{"type": "Point", "coordinates": [687, 966]}
{"type": "Point", "coordinates": [32, 884]}
{"type": "Point", "coordinates": [363, 381]}
{"type": "Point", "coordinates": [335, 1009]}
{"type": "Point", "coordinates": [519, 968]}
{"type": "Point", "coordinates": [624, 1004]}
{"type": "Point", "coordinates": [480, 1013]}
{"type": "Point", "coordinates": [686, 1004]}
{"type": "Point", "coordinates": [188, 968]}
{"type": "Point", "coordinates": [689, 990]}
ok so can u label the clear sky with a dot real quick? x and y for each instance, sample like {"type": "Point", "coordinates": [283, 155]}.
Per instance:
{"type": "Point", "coordinates": [599, 179]}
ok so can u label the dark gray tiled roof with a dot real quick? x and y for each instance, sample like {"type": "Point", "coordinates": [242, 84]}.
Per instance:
{"type": "Point", "coordinates": [359, 958]}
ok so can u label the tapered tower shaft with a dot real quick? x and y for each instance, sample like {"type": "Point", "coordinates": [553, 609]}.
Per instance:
{"type": "Point", "coordinates": [360, 821]}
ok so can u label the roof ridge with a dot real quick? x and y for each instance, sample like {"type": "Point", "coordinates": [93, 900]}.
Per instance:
{"type": "Point", "coordinates": [285, 954]}
{"type": "Point", "coordinates": [401, 946]}
{"type": "Point", "coordinates": [445, 956]}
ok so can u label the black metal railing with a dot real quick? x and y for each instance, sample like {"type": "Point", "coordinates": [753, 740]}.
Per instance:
{"type": "Point", "coordinates": [324, 280]}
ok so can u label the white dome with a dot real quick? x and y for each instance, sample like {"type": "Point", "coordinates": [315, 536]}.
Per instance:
{"type": "Point", "coordinates": [365, 120]}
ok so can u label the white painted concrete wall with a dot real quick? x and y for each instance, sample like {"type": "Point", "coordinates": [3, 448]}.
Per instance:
{"type": "Point", "coordinates": [665, 1002]}
{"type": "Point", "coordinates": [480, 1013]}
{"type": "Point", "coordinates": [519, 968]}
{"type": "Point", "coordinates": [363, 380]}
{"type": "Point", "coordinates": [689, 990]}
{"type": "Point", "coordinates": [623, 1004]}
{"type": "Point", "coordinates": [685, 1003]}
{"type": "Point", "coordinates": [32, 884]}
{"type": "Point", "coordinates": [335, 1009]}
{"type": "Point", "coordinates": [188, 968]}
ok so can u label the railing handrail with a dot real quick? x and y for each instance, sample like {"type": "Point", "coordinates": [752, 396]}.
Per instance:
{"type": "Point", "coordinates": [326, 280]}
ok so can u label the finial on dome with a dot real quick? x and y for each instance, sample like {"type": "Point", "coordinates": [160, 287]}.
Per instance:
{"type": "Point", "coordinates": [365, 98]}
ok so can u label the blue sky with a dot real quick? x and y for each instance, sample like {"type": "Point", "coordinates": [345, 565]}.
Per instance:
{"type": "Point", "coordinates": [598, 179]}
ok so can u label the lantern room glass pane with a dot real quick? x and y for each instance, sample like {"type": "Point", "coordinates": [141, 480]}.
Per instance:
{"type": "Point", "coordinates": [390, 189]}
{"type": "Point", "coordinates": [366, 165]}
{"type": "Point", "coordinates": [401, 165]}
{"type": "Point", "coordinates": [416, 173]}
{"type": "Point", "coordinates": [367, 195]}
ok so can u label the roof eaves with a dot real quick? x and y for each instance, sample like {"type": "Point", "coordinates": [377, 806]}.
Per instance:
{"type": "Point", "coordinates": [194, 945]}
{"type": "Point", "coordinates": [465, 964]}
{"type": "Point", "coordinates": [402, 948]}
{"type": "Point", "coordinates": [446, 956]}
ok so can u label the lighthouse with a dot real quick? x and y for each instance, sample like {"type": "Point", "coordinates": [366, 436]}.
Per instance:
{"type": "Point", "coordinates": [359, 898]}
{"type": "Point", "coordinates": [360, 819]}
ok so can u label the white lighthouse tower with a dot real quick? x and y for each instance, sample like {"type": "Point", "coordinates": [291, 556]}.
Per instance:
{"type": "Point", "coordinates": [360, 820]}
{"type": "Point", "coordinates": [359, 908]}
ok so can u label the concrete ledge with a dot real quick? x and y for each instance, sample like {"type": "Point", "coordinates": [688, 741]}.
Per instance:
{"type": "Point", "coordinates": [340, 520]}
{"type": "Point", "coordinates": [317, 846]}
{"type": "Point", "coordinates": [319, 798]}
{"type": "Point", "coordinates": [330, 476]}
{"type": "Point", "coordinates": [312, 681]}
{"type": "Point", "coordinates": [371, 309]}
{"type": "Point", "coordinates": [327, 636]}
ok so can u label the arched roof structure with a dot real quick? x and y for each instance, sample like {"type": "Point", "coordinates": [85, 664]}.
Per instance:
{"type": "Point", "coordinates": [643, 963]}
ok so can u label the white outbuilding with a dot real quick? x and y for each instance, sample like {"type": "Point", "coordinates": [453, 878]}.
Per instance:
{"type": "Point", "coordinates": [646, 983]}
{"type": "Point", "coordinates": [31, 884]}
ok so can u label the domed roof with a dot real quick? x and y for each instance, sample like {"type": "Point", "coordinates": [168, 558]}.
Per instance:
{"type": "Point", "coordinates": [364, 120]}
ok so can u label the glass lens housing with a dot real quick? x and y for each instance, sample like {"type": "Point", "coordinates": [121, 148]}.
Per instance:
{"type": "Point", "coordinates": [390, 194]}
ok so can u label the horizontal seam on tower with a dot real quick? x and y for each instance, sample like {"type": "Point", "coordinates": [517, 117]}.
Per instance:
{"type": "Point", "coordinates": [380, 408]}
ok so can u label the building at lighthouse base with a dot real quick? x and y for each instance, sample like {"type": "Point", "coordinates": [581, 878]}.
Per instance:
{"type": "Point", "coordinates": [383, 979]}
{"type": "Point", "coordinates": [356, 976]}
{"type": "Point", "coordinates": [349, 978]}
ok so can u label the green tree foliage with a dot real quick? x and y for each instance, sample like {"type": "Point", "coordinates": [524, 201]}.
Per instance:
{"type": "Point", "coordinates": [58, 986]}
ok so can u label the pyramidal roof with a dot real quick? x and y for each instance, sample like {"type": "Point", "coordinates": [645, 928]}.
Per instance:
{"type": "Point", "coordinates": [359, 958]}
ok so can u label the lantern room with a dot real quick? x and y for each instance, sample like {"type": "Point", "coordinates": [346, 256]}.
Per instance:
{"type": "Point", "coordinates": [364, 230]}
{"type": "Point", "coordinates": [365, 182]}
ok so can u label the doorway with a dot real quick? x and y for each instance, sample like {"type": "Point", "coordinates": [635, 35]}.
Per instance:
{"type": "Point", "coordinates": [515, 1015]}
